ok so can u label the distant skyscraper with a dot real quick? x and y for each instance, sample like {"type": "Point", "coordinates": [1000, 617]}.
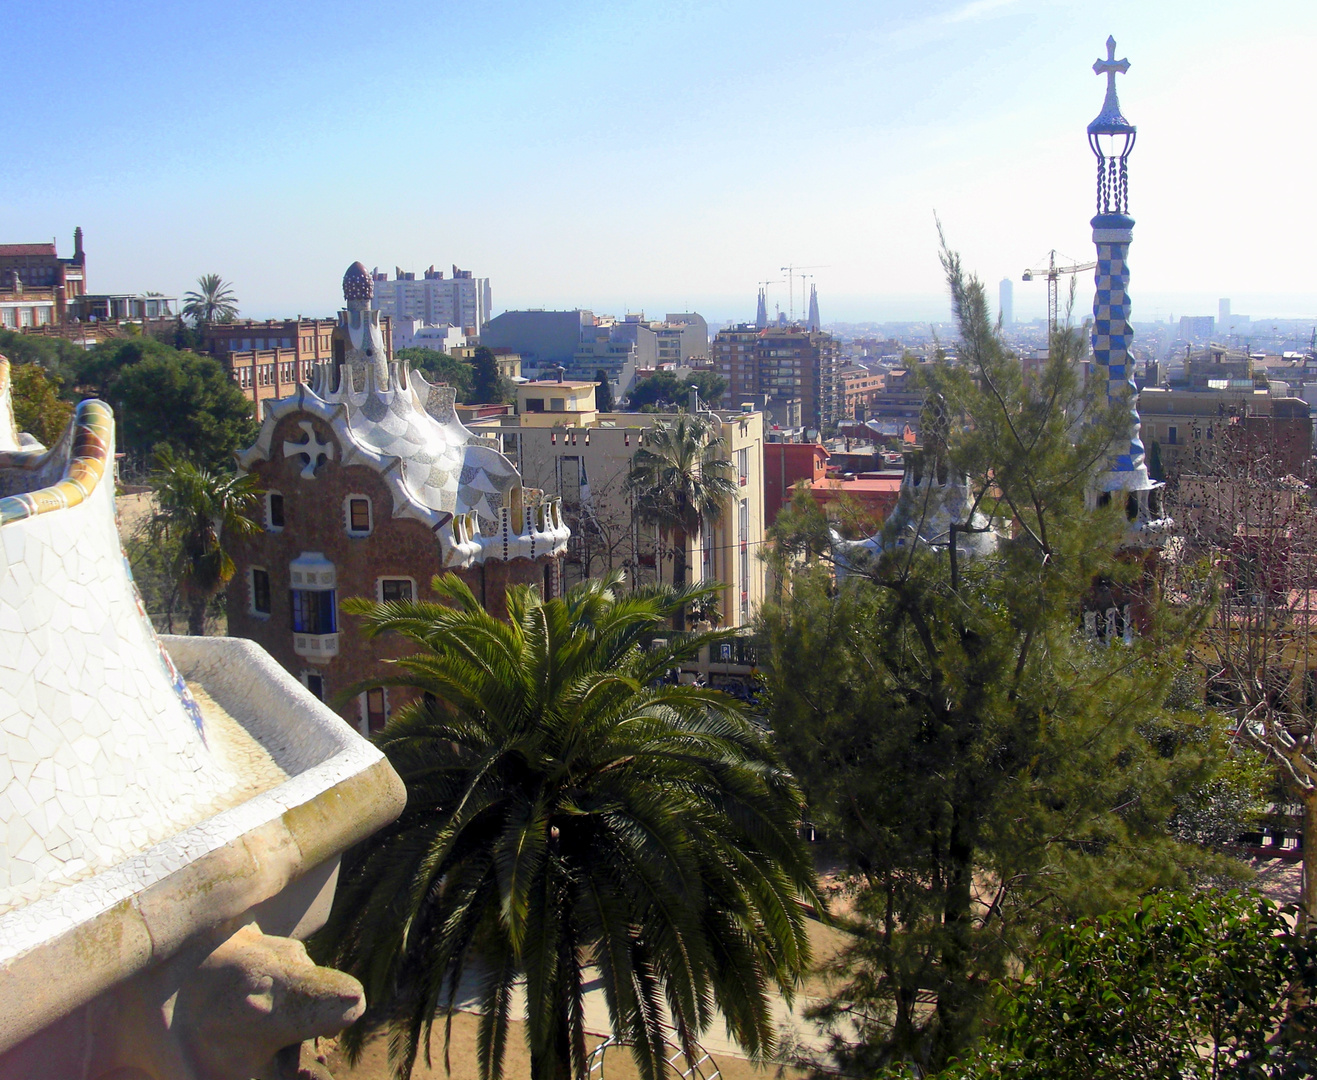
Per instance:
{"type": "Point", "coordinates": [1006, 301]}
{"type": "Point", "coordinates": [812, 323]}
{"type": "Point", "coordinates": [1223, 313]}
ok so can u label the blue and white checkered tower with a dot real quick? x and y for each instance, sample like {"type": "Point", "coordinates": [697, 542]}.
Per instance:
{"type": "Point", "coordinates": [1111, 137]}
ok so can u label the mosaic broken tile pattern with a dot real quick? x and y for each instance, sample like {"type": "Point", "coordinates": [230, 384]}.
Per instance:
{"type": "Point", "coordinates": [395, 422]}
{"type": "Point", "coordinates": [99, 755]}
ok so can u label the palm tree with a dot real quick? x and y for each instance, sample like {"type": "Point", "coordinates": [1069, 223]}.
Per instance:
{"type": "Point", "coordinates": [568, 810]}
{"type": "Point", "coordinates": [198, 510]}
{"type": "Point", "coordinates": [681, 480]}
{"type": "Point", "coordinates": [213, 301]}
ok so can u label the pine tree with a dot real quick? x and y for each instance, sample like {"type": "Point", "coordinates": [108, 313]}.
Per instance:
{"type": "Point", "coordinates": [985, 766]}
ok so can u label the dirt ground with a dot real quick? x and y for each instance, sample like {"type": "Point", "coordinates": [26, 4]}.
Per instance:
{"type": "Point", "coordinates": [825, 942]}
{"type": "Point", "coordinates": [134, 511]}
{"type": "Point", "coordinates": [374, 1064]}
{"type": "Point", "coordinates": [1276, 878]}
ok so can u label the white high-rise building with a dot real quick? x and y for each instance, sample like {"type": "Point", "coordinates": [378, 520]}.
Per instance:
{"type": "Point", "coordinates": [1006, 302]}
{"type": "Point", "coordinates": [462, 301]}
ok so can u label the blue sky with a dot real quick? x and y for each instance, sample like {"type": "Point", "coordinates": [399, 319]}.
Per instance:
{"type": "Point", "coordinates": [664, 157]}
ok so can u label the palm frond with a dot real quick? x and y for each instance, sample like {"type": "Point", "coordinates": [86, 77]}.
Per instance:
{"type": "Point", "coordinates": [565, 805]}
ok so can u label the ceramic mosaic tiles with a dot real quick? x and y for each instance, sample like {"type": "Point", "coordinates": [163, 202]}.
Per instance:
{"type": "Point", "coordinates": [101, 754]}
{"type": "Point", "coordinates": [392, 420]}
{"type": "Point", "coordinates": [92, 433]}
{"type": "Point", "coordinates": [128, 825]}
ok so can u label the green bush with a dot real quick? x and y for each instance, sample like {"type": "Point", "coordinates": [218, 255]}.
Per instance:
{"type": "Point", "coordinates": [1206, 985]}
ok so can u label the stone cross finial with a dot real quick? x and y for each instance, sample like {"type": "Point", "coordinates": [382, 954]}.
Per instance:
{"type": "Point", "coordinates": [1110, 66]}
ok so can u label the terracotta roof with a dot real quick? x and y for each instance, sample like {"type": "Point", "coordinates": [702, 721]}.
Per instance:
{"type": "Point", "coordinates": [27, 249]}
{"type": "Point", "coordinates": [865, 485]}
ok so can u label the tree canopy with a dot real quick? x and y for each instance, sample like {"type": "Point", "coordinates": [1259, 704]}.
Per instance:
{"type": "Point", "coordinates": [212, 301]}
{"type": "Point", "coordinates": [166, 398]}
{"type": "Point", "coordinates": [38, 408]}
{"type": "Point", "coordinates": [567, 806]}
{"type": "Point", "coordinates": [199, 511]}
{"type": "Point", "coordinates": [682, 480]}
{"type": "Point", "coordinates": [603, 395]}
{"type": "Point", "coordinates": [1171, 987]}
{"type": "Point", "coordinates": [986, 766]}
{"type": "Point", "coordinates": [57, 357]}
{"type": "Point", "coordinates": [438, 366]}
{"type": "Point", "coordinates": [487, 385]}
{"type": "Point", "coordinates": [663, 388]}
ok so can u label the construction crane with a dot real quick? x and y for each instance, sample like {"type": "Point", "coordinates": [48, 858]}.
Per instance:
{"type": "Point", "coordinates": [805, 279]}
{"type": "Point", "coordinates": [791, 284]}
{"type": "Point", "coordinates": [1053, 273]}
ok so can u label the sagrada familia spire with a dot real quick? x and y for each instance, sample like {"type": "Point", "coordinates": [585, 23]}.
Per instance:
{"type": "Point", "coordinates": [813, 322]}
{"type": "Point", "coordinates": [761, 313]}
{"type": "Point", "coordinates": [1111, 138]}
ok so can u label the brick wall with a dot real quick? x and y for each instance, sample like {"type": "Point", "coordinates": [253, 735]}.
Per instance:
{"type": "Point", "coordinates": [315, 519]}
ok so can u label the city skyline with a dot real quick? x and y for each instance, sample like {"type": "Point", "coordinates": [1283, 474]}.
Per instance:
{"type": "Point", "coordinates": [634, 159]}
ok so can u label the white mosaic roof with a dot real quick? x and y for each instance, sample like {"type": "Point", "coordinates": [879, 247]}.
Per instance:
{"type": "Point", "coordinates": [392, 420]}
{"type": "Point", "coordinates": [926, 508]}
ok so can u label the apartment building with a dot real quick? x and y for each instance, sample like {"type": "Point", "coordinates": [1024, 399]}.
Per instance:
{"type": "Point", "coordinates": [1192, 429]}
{"type": "Point", "coordinates": [585, 459]}
{"type": "Point", "coordinates": [783, 362]}
{"type": "Point", "coordinates": [859, 387]}
{"type": "Point", "coordinates": [462, 300]}
{"type": "Point", "coordinates": [583, 343]}
{"type": "Point", "coordinates": [268, 359]}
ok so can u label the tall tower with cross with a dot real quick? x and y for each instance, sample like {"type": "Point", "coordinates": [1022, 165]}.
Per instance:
{"type": "Point", "coordinates": [1111, 138]}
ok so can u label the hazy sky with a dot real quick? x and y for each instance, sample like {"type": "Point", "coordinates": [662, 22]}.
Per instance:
{"type": "Point", "coordinates": [661, 156]}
